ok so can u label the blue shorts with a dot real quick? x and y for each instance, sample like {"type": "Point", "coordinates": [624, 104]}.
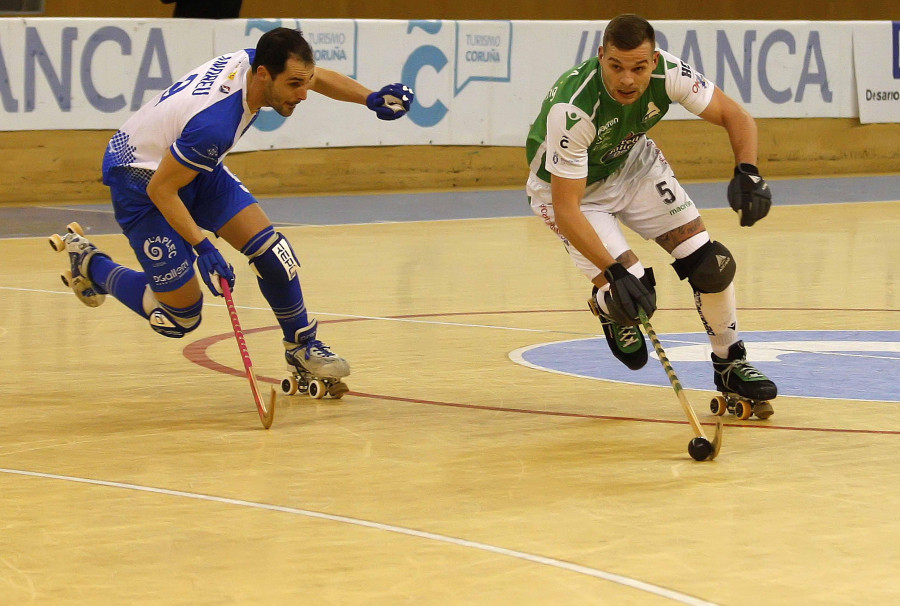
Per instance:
{"type": "Point", "coordinates": [212, 199]}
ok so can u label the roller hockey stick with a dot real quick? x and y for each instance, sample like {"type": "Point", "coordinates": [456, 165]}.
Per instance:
{"type": "Point", "coordinates": [700, 447]}
{"type": "Point", "coordinates": [266, 414]}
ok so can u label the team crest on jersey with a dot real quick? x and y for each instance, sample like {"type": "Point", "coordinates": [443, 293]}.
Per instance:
{"type": "Point", "coordinates": [232, 75]}
{"type": "Point", "coordinates": [652, 112]}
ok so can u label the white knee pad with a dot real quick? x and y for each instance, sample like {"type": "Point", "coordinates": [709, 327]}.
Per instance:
{"type": "Point", "coordinates": [163, 320]}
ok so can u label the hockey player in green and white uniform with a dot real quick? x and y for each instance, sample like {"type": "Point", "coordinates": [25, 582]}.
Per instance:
{"type": "Point", "coordinates": [592, 166]}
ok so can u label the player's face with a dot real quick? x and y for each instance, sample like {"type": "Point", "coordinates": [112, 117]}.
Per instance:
{"type": "Point", "coordinates": [289, 88]}
{"type": "Point", "coordinates": [626, 73]}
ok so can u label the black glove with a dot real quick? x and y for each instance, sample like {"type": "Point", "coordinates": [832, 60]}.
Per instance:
{"type": "Point", "coordinates": [627, 293]}
{"type": "Point", "coordinates": [749, 194]}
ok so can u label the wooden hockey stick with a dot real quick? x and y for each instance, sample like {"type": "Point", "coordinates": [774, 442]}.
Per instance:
{"type": "Point", "coordinates": [266, 414]}
{"type": "Point", "coordinates": [679, 391]}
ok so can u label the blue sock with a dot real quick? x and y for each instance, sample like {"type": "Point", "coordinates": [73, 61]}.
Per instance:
{"type": "Point", "coordinates": [124, 284]}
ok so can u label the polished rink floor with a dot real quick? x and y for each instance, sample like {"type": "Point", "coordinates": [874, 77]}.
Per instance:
{"type": "Point", "coordinates": [134, 469]}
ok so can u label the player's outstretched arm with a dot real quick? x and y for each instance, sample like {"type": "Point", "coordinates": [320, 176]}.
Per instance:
{"type": "Point", "coordinates": [336, 85]}
{"type": "Point", "coordinates": [748, 192]}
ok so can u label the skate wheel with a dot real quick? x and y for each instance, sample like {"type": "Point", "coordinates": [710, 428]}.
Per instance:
{"type": "Point", "coordinates": [743, 410]}
{"type": "Point", "coordinates": [316, 389]}
{"type": "Point", "coordinates": [57, 243]}
{"type": "Point", "coordinates": [75, 228]}
{"type": "Point", "coordinates": [763, 410]}
{"type": "Point", "coordinates": [338, 390]}
{"type": "Point", "coordinates": [289, 385]}
{"type": "Point", "coordinates": [66, 278]}
{"type": "Point", "coordinates": [718, 406]}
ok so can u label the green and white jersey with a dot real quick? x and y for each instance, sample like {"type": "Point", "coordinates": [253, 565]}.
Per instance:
{"type": "Point", "coordinates": [583, 132]}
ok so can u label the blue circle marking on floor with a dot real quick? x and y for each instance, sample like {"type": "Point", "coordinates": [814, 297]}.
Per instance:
{"type": "Point", "coordinates": [832, 364]}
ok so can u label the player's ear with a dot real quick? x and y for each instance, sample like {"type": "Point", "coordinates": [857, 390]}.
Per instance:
{"type": "Point", "coordinates": [655, 59]}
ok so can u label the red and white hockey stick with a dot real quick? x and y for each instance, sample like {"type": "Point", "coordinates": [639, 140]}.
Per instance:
{"type": "Point", "coordinates": [266, 414]}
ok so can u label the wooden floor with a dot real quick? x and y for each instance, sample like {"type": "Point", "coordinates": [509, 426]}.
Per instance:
{"type": "Point", "coordinates": [134, 469]}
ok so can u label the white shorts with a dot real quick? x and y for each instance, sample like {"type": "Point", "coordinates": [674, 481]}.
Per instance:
{"type": "Point", "coordinates": [643, 194]}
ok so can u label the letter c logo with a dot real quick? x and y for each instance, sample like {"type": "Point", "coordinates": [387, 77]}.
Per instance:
{"type": "Point", "coordinates": [421, 115]}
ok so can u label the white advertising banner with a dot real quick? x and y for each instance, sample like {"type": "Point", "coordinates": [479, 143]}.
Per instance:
{"type": "Point", "coordinates": [58, 74]}
{"type": "Point", "coordinates": [476, 82]}
{"type": "Point", "coordinates": [876, 58]}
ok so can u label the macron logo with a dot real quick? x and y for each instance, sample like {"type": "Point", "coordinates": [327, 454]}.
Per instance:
{"type": "Point", "coordinates": [723, 261]}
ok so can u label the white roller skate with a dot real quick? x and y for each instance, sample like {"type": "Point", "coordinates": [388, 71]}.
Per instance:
{"type": "Point", "coordinates": [80, 252]}
{"type": "Point", "coordinates": [745, 390]}
{"type": "Point", "coordinates": [315, 369]}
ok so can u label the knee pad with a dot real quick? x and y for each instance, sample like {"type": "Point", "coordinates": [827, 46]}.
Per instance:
{"type": "Point", "coordinates": [275, 261]}
{"type": "Point", "coordinates": [709, 269]}
{"type": "Point", "coordinates": [170, 321]}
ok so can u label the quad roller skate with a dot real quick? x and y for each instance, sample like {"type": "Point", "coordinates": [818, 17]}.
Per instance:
{"type": "Point", "coordinates": [626, 342]}
{"type": "Point", "coordinates": [315, 370]}
{"type": "Point", "coordinates": [80, 252]}
{"type": "Point", "coordinates": [745, 390]}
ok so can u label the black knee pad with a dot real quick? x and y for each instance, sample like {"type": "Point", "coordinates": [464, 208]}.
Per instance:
{"type": "Point", "coordinates": [708, 269]}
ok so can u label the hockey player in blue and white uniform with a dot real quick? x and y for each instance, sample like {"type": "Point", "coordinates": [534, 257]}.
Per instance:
{"type": "Point", "coordinates": [167, 180]}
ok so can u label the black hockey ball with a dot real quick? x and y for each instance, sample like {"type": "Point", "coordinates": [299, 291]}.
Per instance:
{"type": "Point", "coordinates": [700, 449]}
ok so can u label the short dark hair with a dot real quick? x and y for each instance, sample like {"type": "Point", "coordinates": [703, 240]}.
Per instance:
{"type": "Point", "coordinates": [628, 31]}
{"type": "Point", "coordinates": [276, 46]}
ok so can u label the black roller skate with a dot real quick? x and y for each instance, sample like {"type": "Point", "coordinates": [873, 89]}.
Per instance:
{"type": "Point", "coordinates": [745, 390]}
{"type": "Point", "coordinates": [315, 369]}
{"type": "Point", "coordinates": [626, 342]}
{"type": "Point", "coordinates": [80, 253]}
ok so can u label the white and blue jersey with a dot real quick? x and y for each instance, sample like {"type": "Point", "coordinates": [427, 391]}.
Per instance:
{"type": "Point", "coordinates": [199, 119]}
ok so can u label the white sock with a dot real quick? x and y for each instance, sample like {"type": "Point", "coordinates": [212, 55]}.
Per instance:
{"type": "Point", "coordinates": [718, 312]}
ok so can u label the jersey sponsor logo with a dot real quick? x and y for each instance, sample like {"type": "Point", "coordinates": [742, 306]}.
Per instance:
{"type": "Point", "coordinates": [822, 364]}
{"type": "Point", "coordinates": [604, 131]}
{"type": "Point", "coordinates": [211, 152]}
{"type": "Point", "coordinates": [686, 70]}
{"type": "Point", "coordinates": [572, 119]}
{"type": "Point", "coordinates": [681, 207]}
{"type": "Point", "coordinates": [172, 274]}
{"type": "Point", "coordinates": [157, 247]}
{"type": "Point", "coordinates": [623, 147]}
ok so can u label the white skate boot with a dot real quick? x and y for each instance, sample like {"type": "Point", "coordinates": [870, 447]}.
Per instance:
{"type": "Point", "coordinates": [80, 252]}
{"type": "Point", "coordinates": [315, 369]}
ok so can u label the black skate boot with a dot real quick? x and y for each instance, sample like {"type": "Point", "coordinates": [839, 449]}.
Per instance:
{"type": "Point", "coordinates": [745, 390]}
{"type": "Point", "coordinates": [626, 342]}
